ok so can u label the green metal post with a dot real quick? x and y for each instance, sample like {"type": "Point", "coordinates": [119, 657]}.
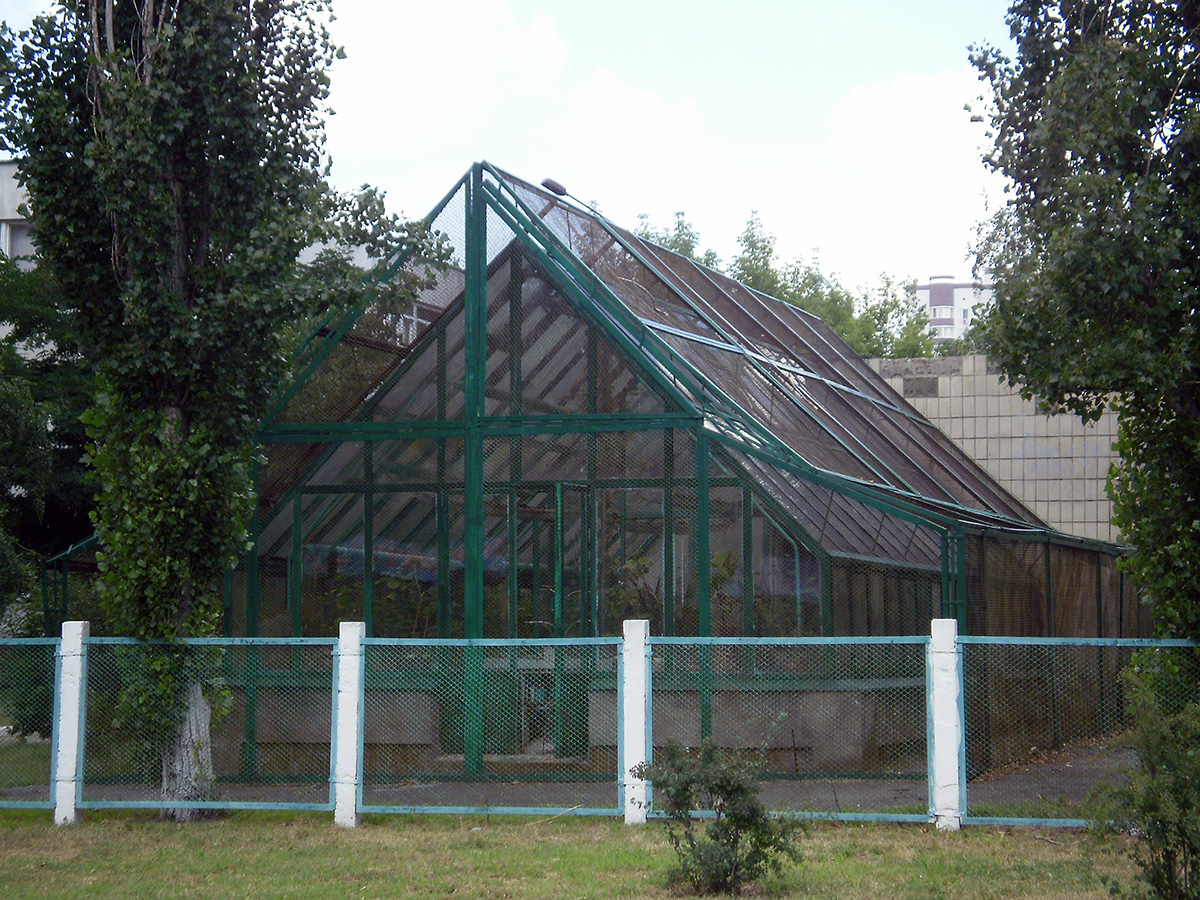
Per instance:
{"type": "Point", "coordinates": [253, 589]}
{"type": "Point", "coordinates": [47, 626]}
{"type": "Point", "coordinates": [227, 603]}
{"type": "Point", "coordinates": [704, 582]}
{"type": "Point", "coordinates": [474, 357]}
{"type": "Point", "coordinates": [369, 537]}
{"type": "Point", "coordinates": [669, 533]}
{"type": "Point", "coordinates": [962, 580]}
{"type": "Point", "coordinates": [826, 563]}
{"type": "Point", "coordinates": [442, 502]}
{"type": "Point", "coordinates": [558, 560]}
{"type": "Point", "coordinates": [515, 357]}
{"type": "Point", "coordinates": [295, 573]}
{"type": "Point", "coordinates": [748, 624]}
{"type": "Point", "coordinates": [559, 713]}
{"type": "Point", "coordinates": [588, 552]}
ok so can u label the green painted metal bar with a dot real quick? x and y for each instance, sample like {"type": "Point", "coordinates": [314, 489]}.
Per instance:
{"type": "Point", "coordinates": [669, 532]}
{"type": "Point", "coordinates": [748, 588]}
{"type": "Point", "coordinates": [947, 608]}
{"type": "Point", "coordinates": [961, 580]}
{"type": "Point", "coordinates": [295, 569]}
{"type": "Point", "coordinates": [516, 319]}
{"type": "Point", "coordinates": [227, 603]}
{"type": "Point", "coordinates": [702, 543]}
{"type": "Point", "coordinates": [368, 526]}
{"type": "Point", "coordinates": [558, 560]}
{"type": "Point", "coordinates": [250, 679]}
{"type": "Point", "coordinates": [1131, 643]}
{"type": "Point", "coordinates": [473, 388]}
{"type": "Point", "coordinates": [703, 551]}
{"type": "Point", "coordinates": [589, 552]}
{"type": "Point", "coordinates": [559, 626]}
{"type": "Point", "coordinates": [443, 556]}
{"type": "Point", "coordinates": [253, 588]}
{"type": "Point", "coordinates": [747, 562]}
{"type": "Point", "coordinates": [493, 426]}
{"type": "Point", "coordinates": [47, 625]}
{"type": "Point", "coordinates": [535, 602]}
{"type": "Point", "coordinates": [64, 594]}
{"type": "Point", "coordinates": [475, 351]}
{"type": "Point", "coordinates": [442, 502]}
{"type": "Point", "coordinates": [675, 641]}
{"type": "Point", "coordinates": [826, 564]}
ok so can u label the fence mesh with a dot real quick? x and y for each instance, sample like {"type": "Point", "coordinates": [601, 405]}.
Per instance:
{"type": "Point", "coordinates": [1046, 723]}
{"type": "Point", "coordinates": [457, 725]}
{"type": "Point", "coordinates": [26, 717]}
{"type": "Point", "coordinates": [837, 727]}
{"type": "Point", "coordinates": [269, 708]}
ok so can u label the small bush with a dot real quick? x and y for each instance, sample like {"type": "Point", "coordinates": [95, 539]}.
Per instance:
{"type": "Point", "coordinates": [740, 842]}
{"type": "Point", "coordinates": [1159, 805]}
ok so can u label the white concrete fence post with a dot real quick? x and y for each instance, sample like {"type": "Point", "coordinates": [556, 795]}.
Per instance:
{"type": "Point", "coordinates": [946, 721]}
{"type": "Point", "coordinates": [68, 725]}
{"type": "Point", "coordinates": [347, 761]}
{"type": "Point", "coordinates": [635, 725]}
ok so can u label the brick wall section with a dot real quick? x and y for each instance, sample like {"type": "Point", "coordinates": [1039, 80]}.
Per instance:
{"type": "Point", "coordinates": [1055, 465]}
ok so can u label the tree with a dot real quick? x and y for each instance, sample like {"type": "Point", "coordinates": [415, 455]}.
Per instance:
{"type": "Point", "coordinates": [1096, 256]}
{"type": "Point", "coordinates": [172, 154]}
{"type": "Point", "coordinates": [682, 238]}
{"type": "Point", "coordinates": [887, 322]}
{"type": "Point", "coordinates": [41, 328]}
{"type": "Point", "coordinates": [24, 469]}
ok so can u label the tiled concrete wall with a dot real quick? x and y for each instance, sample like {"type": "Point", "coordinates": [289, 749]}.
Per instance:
{"type": "Point", "coordinates": [1055, 465]}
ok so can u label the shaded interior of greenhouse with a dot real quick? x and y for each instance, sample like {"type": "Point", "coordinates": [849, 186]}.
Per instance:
{"type": "Point", "coordinates": [563, 426]}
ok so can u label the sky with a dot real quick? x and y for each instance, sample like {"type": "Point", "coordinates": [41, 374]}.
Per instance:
{"type": "Point", "coordinates": [842, 124]}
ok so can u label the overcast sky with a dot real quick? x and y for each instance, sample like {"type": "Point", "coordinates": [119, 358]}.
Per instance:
{"type": "Point", "coordinates": [841, 123]}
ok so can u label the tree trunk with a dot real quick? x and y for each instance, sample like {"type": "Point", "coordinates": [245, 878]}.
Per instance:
{"type": "Point", "coordinates": [187, 767]}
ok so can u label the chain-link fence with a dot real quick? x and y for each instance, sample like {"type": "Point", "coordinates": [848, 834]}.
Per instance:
{"type": "Point", "coordinates": [266, 706]}
{"type": "Point", "coordinates": [1047, 723]}
{"type": "Point", "coordinates": [27, 692]}
{"type": "Point", "coordinates": [837, 726]}
{"type": "Point", "coordinates": [491, 725]}
{"type": "Point", "coordinates": [840, 727]}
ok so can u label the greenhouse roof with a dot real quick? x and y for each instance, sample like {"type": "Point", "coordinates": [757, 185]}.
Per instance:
{"type": "Point", "coordinates": [770, 382]}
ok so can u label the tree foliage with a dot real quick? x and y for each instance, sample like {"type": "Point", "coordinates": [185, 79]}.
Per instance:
{"type": "Point", "coordinates": [173, 158]}
{"type": "Point", "coordinates": [887, 321]}
{"type": "Point", "coordinates": [41, 329]}
{"type": "Point", "coordinates": [24, 468]}
{"type": "Point", "coordinates": [741, 842]}
{"type": "Point", "coordinates": [682, 237]}
{"type": "Point", "coordinates": [1096, 123]}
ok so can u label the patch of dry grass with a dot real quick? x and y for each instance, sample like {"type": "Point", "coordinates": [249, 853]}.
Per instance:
{"type": "Point", "coordinates": [275, 856]}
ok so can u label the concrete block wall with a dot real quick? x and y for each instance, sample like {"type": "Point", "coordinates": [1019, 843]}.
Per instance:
{"type": "Point", "coordinates": [1055, 465]}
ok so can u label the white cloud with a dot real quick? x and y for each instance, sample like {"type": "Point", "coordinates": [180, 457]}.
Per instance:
{"type": "Point", "coordinates": [906, 185]}
{"type": "Point", "coordinates": [428, 88]}
{"type": "Point", "coordinates": [889, 180]}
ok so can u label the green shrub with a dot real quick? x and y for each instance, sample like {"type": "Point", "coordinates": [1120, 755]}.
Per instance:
{"type": "Point", "coordinates": [1159, 804]}
{"type": "Point", "coordinates": [739, 842]}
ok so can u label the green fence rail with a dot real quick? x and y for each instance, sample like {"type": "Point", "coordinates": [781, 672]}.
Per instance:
{"type": "Point", "coordinates": [842, 728]}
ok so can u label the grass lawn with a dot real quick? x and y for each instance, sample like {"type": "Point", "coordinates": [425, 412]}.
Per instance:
{"type": "Point", "coordinates": [262, 855]}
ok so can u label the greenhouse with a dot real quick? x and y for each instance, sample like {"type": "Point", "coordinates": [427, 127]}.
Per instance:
{"type": "Point", "coordinates": [565, 426]}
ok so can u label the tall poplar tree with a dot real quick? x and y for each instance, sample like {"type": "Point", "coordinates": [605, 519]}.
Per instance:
{"type": "Point", "coordinates": [172, 153]}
